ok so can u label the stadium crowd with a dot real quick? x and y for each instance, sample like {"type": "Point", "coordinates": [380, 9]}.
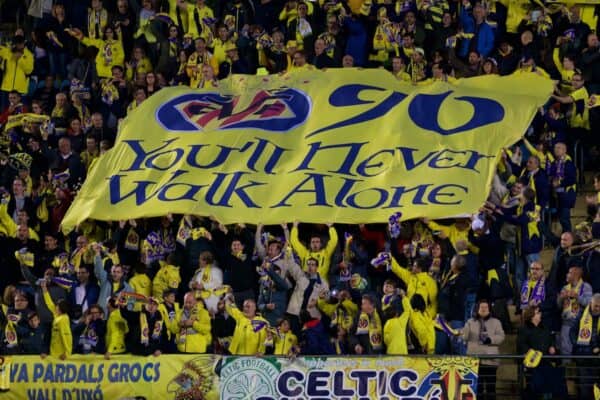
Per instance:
{"type": "Point", "coordinates": [180, 283]}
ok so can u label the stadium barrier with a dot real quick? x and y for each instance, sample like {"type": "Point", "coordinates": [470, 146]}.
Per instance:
{"type": "Point", "coordinates": [196, 376]}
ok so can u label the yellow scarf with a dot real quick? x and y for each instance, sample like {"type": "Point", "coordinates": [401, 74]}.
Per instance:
{"type": "Point", "coordinates": [10, 334]}
{"type": "Point", "coordinates": [144, 333]}
{"type": "Point", "coordinates": [370, 325]}
{"type": "Point", "coordinates": [571, 305]}
{"type": "Point", "coordinates": [132, 242]}
{"type": "Point", "coordinates": [448, 277]}
{"type": "Point", "coordinates": [97, 17]}
{"type": "Point", "coordinates": [205, 278]}
{"type": "Point", "coordinates": [584, 336]}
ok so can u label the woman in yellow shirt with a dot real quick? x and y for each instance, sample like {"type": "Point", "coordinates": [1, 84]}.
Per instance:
{"type": "Point", "coordinates": [61, 339]}
{"type": "Point", "coordinates": [110, 50]}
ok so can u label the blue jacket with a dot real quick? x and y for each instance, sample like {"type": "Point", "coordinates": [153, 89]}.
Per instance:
{"type": "Point", "coordinates": [484, 34]}
{"type": "Point", "coordinates": [106, 283]}
{"type": "Point", "coordinates": [276, 294]}
{"type": "Point", "coordinates": [530, 237]}
{"type": "Point", "coordinates": [356, 45]}
{"type": "Point", "coordinates": [566, 192]}
{"type": "Point", "coordinates": [314, 339]}
{"type": "Point", "coordinates": [92, 291]}
{"type": "Point", "coordinates": [541, 183]}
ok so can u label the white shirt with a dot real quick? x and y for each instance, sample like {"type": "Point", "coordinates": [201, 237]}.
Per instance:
{"type": "Point", "coordinates": [79, 296]}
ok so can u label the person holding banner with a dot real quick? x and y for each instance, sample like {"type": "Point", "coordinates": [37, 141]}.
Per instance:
{"type": "Point", "coordinates": [61, 338]}
{"type": "Point", "coordinates": [309, 286]}
{"type": "Point", "coordinates": [234, 252]}
{"type": "Point", "coordinates": [316, 250]}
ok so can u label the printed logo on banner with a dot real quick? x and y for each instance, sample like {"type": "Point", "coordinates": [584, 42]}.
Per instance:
{"type": "Point", "coordinates": [196, 380]}
{"type": "Point", "coordinates": [248, 378]}
{"type": "Point", "coordinates": [279, 111]}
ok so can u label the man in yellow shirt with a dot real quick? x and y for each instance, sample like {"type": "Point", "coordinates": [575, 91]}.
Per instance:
{"type": "Point", "coordinates": [417, 280]}
{"type": "Point", "coordinates": [579, 97]}
{"type": "Point", "coordinates": [250, 332]}
{"type": "Point", "coordinates": [399, 69]}
{"type": "Point", "coordinates": [316, 250]}
{"type": "Point", "coordinates": [192, 326]}
{"type": "Point", "coordinates": [61, 338]}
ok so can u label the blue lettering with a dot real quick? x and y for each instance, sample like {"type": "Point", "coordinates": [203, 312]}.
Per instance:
{"type": "Point", "coordinates": [383, 195]}
{"type": "Point", "coordinates": [59, 373]}
{"type": "Point", "coordinates": [189, 191]}
{"type": "Point", "coordinates": [409, 161]}
{"type": "Point", "coordinates": [124, 373]}
{"type": "Point", "coordinates": [344, 190]}
{"type": "Point", "coordinates": [485, 112]}
{"type": "Point", "coordinates": [258, 152]}
{"type": "Point", "coordinates": [363, 378]}
{"type": "Point", "coordinates": [446, 155]}
{"type": "Point", "coordinates": [230, 190]}
{"type": "Point", "coordinates": [23, 374]}
{"type": "Point", "coordinates": [135, 372]}
{"type": "Point", "coordinates": [153, 162]}
{"type": "Point", "coordinates": [71, 373]}
{"type": "Point", "coordinates": [348, 160]}
{"type": "Point", "coordinates": [399, 191]}
{"type": "Point", "coordinates": [147, 372]}
{"type": "Point", "coordinates": [141, 155]}
{"type": "Point", "coordinates": [318, 188]}
{"type": "Point", "coordinates": [48, 375]}
{"type": "Point", "coordinates": [282, 383]}
{"type": "Point", "coordinates": [100, 373]}
{"type": "Point", "coordinates": [396, 385]}
{"type": "Point", "coordinates": [437, 192]}
{"type": "Point", "coordinates": [156, 372]}
{"type": "Point", "coordinates": [316, 380]}
{"type": "Point", "coordinates": [140, 190]}
{"type": "Point", "coordinates": [338, 385]}
{"type": "Point", "coordinates": [113, 372]}
{"type": "Point", "coordinates": [364, 165]}
{"type": "Point", "coordinates": [349, 95]}
{"type": "Point", "coordinates": [219, 160]}
{"type": "Point", "coordinates": [38, 372]}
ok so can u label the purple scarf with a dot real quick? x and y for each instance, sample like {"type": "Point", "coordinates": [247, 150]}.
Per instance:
{"type": "Point", "coordinates": [536, 296]}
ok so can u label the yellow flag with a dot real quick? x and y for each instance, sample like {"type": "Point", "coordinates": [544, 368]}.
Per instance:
{"type": "Point", "coordinates": [351, 146]}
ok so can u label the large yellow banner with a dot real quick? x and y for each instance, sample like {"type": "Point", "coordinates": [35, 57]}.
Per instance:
{"type": "Point", "coordinates": [80, 377]}
{"type": "Point", "coordinates": [350, 146]}
{"type": "Point", "coordinates": [212, 377]}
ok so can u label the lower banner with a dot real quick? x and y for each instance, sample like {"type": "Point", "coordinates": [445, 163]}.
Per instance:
{"type": "Point", "coordinates": [383, 378]}
{"type": "Point", "coordinates": [178, 377]}
{"type": "Point", "coordinates": [199, 377]}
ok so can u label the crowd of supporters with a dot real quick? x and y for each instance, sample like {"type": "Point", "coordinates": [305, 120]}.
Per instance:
{"type": "Point", "coordinates": [72, 71]}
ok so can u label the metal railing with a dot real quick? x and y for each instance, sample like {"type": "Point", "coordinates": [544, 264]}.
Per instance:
{"type": "Point", "coordinates": [513, 380]}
